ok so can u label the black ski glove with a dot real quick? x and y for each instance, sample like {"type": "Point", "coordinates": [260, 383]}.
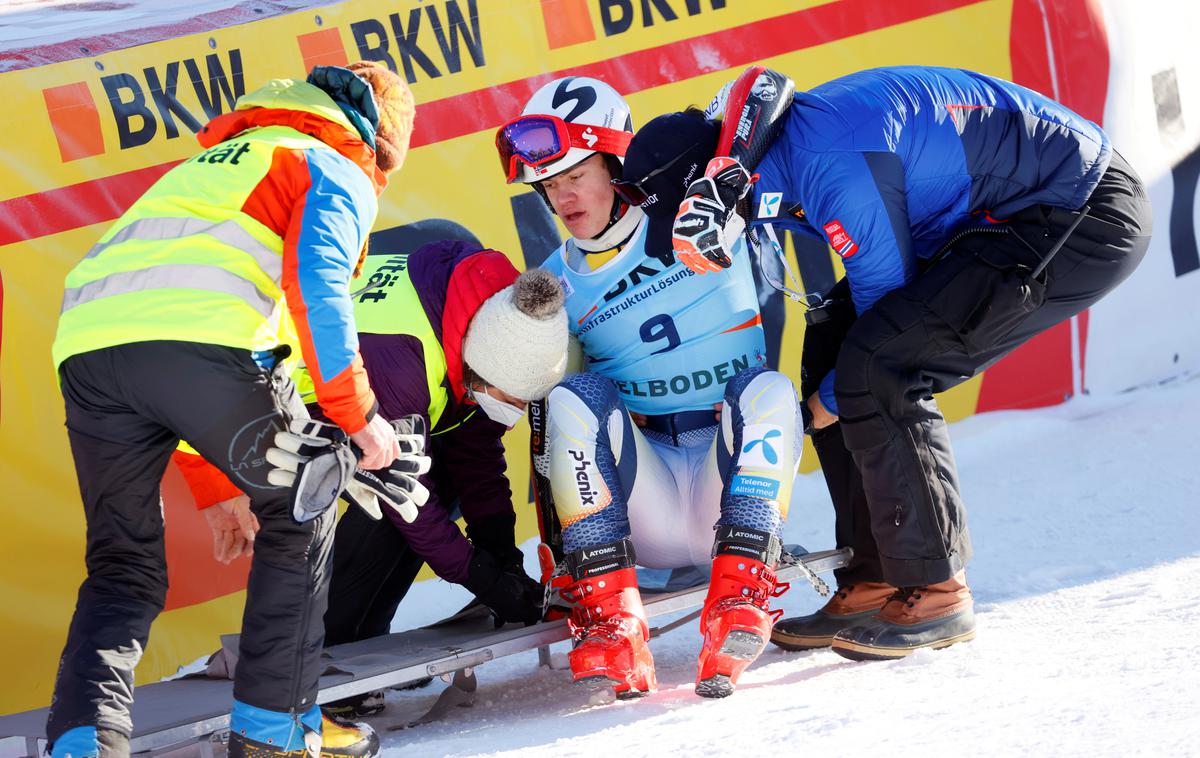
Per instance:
{"type": "Point", "coordinates": [512, 595]}
{"type": "Point", "coordinates": [496, 534]}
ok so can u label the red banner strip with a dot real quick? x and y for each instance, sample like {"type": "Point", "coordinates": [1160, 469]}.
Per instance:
{"type": "Point", "coordinates": [678, 61]}
{"type": "Point", "coordinates": [76, 205]}
{"type": "Point", "coordinates": [99, 200]}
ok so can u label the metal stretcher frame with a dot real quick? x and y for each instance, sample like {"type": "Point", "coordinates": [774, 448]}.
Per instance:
{"type": "Point", "coordinates": [170, 715]}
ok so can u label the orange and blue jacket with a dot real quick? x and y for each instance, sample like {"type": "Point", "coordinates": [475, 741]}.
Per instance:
{"type": "Point", "coordinates": [267, 224]}
{"type": "Point", "coordinates": [323, 204]}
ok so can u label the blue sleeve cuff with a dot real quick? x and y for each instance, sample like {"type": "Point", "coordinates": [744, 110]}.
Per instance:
{"type": "Point", "coordinates": [826, 393]}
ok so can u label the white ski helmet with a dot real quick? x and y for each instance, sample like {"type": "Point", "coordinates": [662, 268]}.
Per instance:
{"type": "Point", "coordinates": [577, 101]}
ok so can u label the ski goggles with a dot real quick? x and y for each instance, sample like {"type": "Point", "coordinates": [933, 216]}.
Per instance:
{"type": "Point", "coordinates": [538, 140]}
{"type": "Point", "coordinates": [634, 192]}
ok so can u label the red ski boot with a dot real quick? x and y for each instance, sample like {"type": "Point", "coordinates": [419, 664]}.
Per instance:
{"type": "Point", "coordinates": [736, 620]}
{"type": "Point", "coordinates": [609, 622]}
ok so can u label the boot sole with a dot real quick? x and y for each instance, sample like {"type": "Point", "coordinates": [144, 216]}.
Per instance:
{"type": "Point", "coordinates": [742, 645]}
{"type": "Point", "coordinates": [856, 651]}
{"type": "Point", "coordinates": [715, 686]}
{"type": "Point", "coordinates": [794, 642]}
{"type": "Point", "coordinates": [601, 682]}
{"type": "Point", "coordinates": [597, 682]}
{"type": "Point", "coordinates": [739, 645]}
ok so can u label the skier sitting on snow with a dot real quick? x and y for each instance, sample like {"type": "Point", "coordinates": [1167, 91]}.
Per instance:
{"type": "Point", "coordinates": [641, 467]}
{"type": "Point", "coordinates": [438, 332]}
{"type": "Point", "coordinates": [947, 194]}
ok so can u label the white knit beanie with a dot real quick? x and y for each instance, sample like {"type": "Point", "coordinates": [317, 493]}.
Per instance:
{"type": "Point", "coordinates": [517, 341]}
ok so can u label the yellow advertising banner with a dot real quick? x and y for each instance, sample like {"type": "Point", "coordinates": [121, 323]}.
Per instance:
{"type": "Point", "coordinates": [89, 134]}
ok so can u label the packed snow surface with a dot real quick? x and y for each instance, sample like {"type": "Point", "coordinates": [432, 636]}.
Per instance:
{"type": "Point", "coordinates": [27, 25]}
{"type": "Point", "coordinates": [1086, 575]}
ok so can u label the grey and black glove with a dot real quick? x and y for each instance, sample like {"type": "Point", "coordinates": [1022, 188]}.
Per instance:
{"type": "Point", "coordinates": [511, 594]}
{"type": "Point", "coordinates": [318, 462]}
{"type": "Point", "coordinates": [395, 486]}
{"type": "Point", "coordinates": [314, 459]}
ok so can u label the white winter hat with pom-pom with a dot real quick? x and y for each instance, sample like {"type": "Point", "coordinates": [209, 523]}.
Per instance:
{"type": "Point", "coordinates": [517, 341]}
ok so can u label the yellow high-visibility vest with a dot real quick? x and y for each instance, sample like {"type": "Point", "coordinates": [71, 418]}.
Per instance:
{"type": "Point", "coordinates": [184, 262]}
{"type": "Point", "coordinates": [388, 303]}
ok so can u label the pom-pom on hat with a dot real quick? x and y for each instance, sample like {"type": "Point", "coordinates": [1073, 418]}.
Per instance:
{"type": "Point", "coordinates": [517, 341]}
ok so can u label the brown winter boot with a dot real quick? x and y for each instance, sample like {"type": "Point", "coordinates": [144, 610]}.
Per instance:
{"type": "Point", "coordinates": [935, 616]}
{"type": "Point", "coordinates": [848, 606]}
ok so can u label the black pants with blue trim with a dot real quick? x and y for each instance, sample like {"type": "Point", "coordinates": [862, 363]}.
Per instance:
{"type": "Point", "coordinates": [127, 407]}
{"type": "Point", "coordinates": [968, 310]}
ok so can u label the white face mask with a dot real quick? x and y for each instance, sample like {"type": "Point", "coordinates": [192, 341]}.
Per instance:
{"type": "Point", "coordinates": [498, 410]}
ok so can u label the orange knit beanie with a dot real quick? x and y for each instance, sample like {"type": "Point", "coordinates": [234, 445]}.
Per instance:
{"type": "Point", "coordinates": [394, 103]}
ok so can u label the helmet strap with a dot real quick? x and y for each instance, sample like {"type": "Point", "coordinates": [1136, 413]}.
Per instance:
{"type": "Point", "coordinates": [537, 186]}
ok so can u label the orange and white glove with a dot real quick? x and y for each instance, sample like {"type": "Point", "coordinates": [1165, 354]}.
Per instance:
{"type": "Point", "coordinates": [707, 225]}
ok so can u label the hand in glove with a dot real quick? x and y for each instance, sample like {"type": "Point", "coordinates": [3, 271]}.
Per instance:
{"type": "Point", "coordinates": [395, 486]}
{"type": "Point", "coordinates": [707, 225]}
{"type": "Point", "coordinates": [496, 534]}
{"type": "Point", "coordinates": [317, 461]}
{"type": "Point", "coordinates": [511, 594]}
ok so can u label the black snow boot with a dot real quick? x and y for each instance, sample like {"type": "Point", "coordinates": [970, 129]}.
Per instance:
{"type": "Point", "coordinates": [935, 616]}
{"type": "Point", "coordinates": [848, 606]}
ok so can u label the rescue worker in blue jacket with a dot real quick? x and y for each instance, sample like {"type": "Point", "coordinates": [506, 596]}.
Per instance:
{"type": "Point", "coordinates": [971, 214]}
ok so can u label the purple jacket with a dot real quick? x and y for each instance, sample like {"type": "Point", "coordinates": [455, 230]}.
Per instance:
{"type": "Point", "coordinates": [451, 279]}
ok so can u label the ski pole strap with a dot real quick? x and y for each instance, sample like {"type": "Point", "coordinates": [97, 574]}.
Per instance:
{"type": "Point", "coordinates": [816, 306]}
{"type": "Point", "coordinates": [750, 543]}
{"type": "Point", "coordinates": [789, 274]}
{"type": "Point", "coordinates": [601, 559]}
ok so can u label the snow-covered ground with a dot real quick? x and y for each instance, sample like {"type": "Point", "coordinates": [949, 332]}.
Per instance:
{"type": "Point", "coordinates": [1086, 524]}
{"type": "Point", "coordinates": [30, 29]}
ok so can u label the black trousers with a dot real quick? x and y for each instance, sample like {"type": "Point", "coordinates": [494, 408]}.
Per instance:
{"type": "Point", "coordinates": [899, 505]}
{"type": "Point", "coordinates": [852, 522]}
{"type": "Point", "coordinates": [373, 569]}
{"type": "Point", "coordinates": [127, 407]}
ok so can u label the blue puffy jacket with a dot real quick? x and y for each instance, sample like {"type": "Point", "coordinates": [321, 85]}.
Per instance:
{"type": "Point", "coordinates": [888, 164]}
